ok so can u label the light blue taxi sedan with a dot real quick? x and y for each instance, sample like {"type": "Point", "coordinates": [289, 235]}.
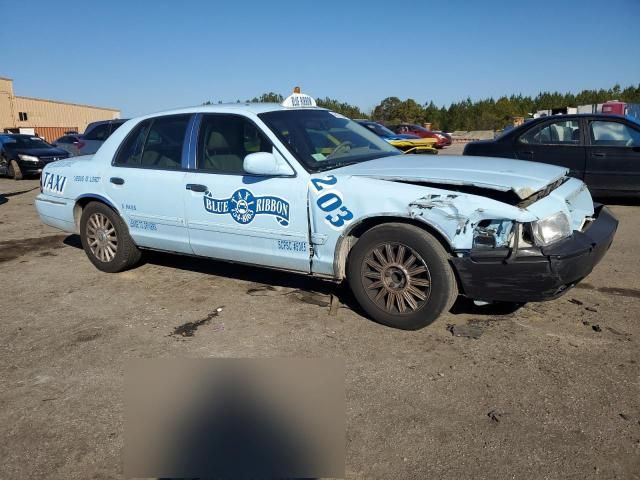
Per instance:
{"type": "Point", "coordinates": [269, 185]}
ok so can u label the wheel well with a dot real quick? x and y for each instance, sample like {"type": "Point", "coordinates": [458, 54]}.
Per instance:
{"type": "Point", "coordinates": [78, 208]}
{"type": "Point", "coordinates": [349, 239]}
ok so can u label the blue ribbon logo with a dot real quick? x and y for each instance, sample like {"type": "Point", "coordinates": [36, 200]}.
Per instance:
{"type": "Point", "coordinates": [243, 206]}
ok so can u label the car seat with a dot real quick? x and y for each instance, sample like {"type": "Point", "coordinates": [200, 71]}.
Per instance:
{"type": "Point", "coordinates": [219, 156]}
{"type": "Point", "coordinates": [575, 136]}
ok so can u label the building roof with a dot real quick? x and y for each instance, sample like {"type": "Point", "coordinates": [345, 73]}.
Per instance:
{"type": "Point", "coordinates": [68, 103]}
{"type": "Point", "coordinates": [6, 78]}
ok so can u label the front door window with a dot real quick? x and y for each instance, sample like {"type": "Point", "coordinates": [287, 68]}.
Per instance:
{"type": "Point", "coordinates": [565, 132]}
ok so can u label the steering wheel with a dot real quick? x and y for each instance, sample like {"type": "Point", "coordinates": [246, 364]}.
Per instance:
{"type": "Point", "coordinates": [339, 148]}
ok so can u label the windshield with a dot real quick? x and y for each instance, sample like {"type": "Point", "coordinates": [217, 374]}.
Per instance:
{"type": "Point", "coordinates": [322, 140]}
{"type": "Point", "coordinates": [24, 141]}
{"type": "Point", "coordinates": [379, 130]}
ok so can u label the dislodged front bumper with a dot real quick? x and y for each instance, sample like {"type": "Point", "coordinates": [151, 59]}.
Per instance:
{"type": "Point", "coordinates": [541, 277]}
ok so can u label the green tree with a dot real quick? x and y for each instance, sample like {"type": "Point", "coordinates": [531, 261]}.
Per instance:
{"type": "Point", "coordinates": [342, 108]}
{"type": "Point", "coordinates": [270, 97]}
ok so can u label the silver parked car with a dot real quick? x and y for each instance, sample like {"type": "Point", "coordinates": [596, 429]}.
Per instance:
{"type": "Point", "coordinates": [70, 143]}
{"type": "Point", "coordinates": [96, 133]}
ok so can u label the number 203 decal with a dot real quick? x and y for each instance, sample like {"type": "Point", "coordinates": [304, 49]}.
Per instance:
{"type": "Point", "coordinates": [330, 200]}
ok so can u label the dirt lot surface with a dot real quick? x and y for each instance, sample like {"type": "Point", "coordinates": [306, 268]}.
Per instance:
{"type": "Point", "coordinates": [550, 391]}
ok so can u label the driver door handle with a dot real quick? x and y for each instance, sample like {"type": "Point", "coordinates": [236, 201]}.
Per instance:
{"type": "Point", "coordinates": [196, 187]}
{"type": "Point", "coordinates": [599, 155]}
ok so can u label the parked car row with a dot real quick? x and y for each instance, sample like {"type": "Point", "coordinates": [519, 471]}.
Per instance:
{"type": "Point", "coordinates": [25, 155]}
{"type": "Point", "coordinates": [442, 139]}
{"type": "Point", "coordinates": [22, 155]}
{"type": "Point", "coordinates": [406, 142]}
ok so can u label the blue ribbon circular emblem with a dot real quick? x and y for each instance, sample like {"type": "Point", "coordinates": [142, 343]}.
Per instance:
{"type": "Point", "coordinates": [243, 206]}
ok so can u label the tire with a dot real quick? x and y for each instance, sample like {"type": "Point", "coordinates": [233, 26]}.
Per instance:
{"type": "Point", "coordinates": [394, 290]}
{"type": "Point", "coordinates": [15, 171]}
{"type": "Point", "coordinates": [106, 240]}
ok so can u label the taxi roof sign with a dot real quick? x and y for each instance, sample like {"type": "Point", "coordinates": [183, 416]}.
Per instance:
{"type": "Point", "coordinates": [298, 100]}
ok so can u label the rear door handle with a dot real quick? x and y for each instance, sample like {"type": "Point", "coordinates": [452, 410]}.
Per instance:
{"type": "Point", "coordinates": [196, 187]}
{"type": "Point", "coordinates": [117, 180]}
{"type": "Point", "coordinates": [599, 155]}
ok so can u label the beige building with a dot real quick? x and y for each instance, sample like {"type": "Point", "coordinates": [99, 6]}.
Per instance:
{"type": "Point", "coordinates": [46, 118]}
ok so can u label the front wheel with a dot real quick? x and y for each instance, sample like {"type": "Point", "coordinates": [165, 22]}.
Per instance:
{"type": "Point", "coordinates": [106, 240]}
{"type": "Point", "coordinates": [400, 275]}
{"type": "Point", "coordinates": [15, 171]}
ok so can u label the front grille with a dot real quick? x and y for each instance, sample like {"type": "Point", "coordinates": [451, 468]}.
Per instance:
{"type": "Point", "coordinates": [51, 159]}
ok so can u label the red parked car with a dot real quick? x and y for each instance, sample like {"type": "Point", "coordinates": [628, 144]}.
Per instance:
{"type": "Point", "coordinates": [443, 139]}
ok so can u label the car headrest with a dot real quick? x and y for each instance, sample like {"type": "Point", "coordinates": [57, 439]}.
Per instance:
{"type": "Point", "coordinates": [217, 141]}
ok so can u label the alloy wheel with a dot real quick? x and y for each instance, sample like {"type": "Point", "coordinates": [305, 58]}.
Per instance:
{"type": "Point", "coordinates": [396, 278]}
{"type": "Point", "coordinates": [102, 237]}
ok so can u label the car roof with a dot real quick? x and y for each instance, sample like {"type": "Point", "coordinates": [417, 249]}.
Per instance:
{"type": "Point", "coordinates": [100, 122]}
{"type": "Point", "coordinates": [18, 135]}
{"type": "Point", "coordinates": [579, 115]}
{"type": "Point", "coordinates": [238, 108]}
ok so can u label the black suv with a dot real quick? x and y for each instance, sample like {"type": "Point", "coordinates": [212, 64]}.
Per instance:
{"type": "Point", "coordinates": [22, 155]}
{"type": "Point", "coordinates": [96, 133]}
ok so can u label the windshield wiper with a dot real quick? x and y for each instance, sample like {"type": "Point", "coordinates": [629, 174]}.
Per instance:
{"type": "Point", "coordinates": [336, 165]}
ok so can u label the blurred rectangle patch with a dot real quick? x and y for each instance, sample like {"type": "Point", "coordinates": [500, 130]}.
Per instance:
{"type": "Point", "coordinates": [235, 418]}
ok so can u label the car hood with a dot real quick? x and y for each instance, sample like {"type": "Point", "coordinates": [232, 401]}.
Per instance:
{"type": "Point", "coordinates": [504, 175]}
{"type": "Point", "coordinates": [41, 152]}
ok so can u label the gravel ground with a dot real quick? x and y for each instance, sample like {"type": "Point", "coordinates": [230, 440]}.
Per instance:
{"type": "Point", "coordinates": [550, 391]}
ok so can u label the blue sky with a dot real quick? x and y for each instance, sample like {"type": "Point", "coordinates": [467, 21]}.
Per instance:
{"type": "Point", "coordinates": [145, 56]}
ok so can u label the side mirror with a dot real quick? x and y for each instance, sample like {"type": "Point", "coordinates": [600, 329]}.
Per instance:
{"type": "Point", "coordinates": [267, 164]}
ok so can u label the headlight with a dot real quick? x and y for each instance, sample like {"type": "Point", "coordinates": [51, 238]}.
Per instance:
{"type": "Point", "coordinates": [551, 229]}
{"type": "Point", "coordinates": [28, 158]}
{"type": "Point", "coordinates": [493, 234]}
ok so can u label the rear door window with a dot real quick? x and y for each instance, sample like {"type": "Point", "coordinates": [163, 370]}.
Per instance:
{"type": "Point", "coordinates": [613, 134]}
{"type": "Point", "coordinates": [163, 145]}
{"type": "Point", "coordinates": [155, 143]}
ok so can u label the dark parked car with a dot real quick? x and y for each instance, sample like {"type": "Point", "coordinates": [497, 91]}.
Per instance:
{"type": "Point", "coordinates": [22, 155]}
{"type": "Point", "coordinates": [96, 133]}
{"type": "Point", "coordinates": [442, 139]}
{"type": "Point", "coordinates": [601, 150]}
{"type": "Point", "coordinates": [69, 142]}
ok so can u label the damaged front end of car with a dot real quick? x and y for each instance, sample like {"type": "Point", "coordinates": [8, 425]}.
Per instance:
{"type": "Point", "coordinates": [512, 249]}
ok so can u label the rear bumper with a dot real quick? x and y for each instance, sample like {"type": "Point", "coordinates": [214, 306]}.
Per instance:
{"type": "Point", "coordinates": [541, 277]}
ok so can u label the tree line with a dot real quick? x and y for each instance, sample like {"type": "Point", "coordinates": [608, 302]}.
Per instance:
{"type": "Point", "coordinates": [484, 114]}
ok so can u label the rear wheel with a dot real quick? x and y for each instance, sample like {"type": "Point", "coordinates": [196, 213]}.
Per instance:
{"type": "Point", "coordinates": [401, 276]}
{"type": "Point", "coordinates": [106, 240]}
{"type": "Point", "coordinates": [15, 171]}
